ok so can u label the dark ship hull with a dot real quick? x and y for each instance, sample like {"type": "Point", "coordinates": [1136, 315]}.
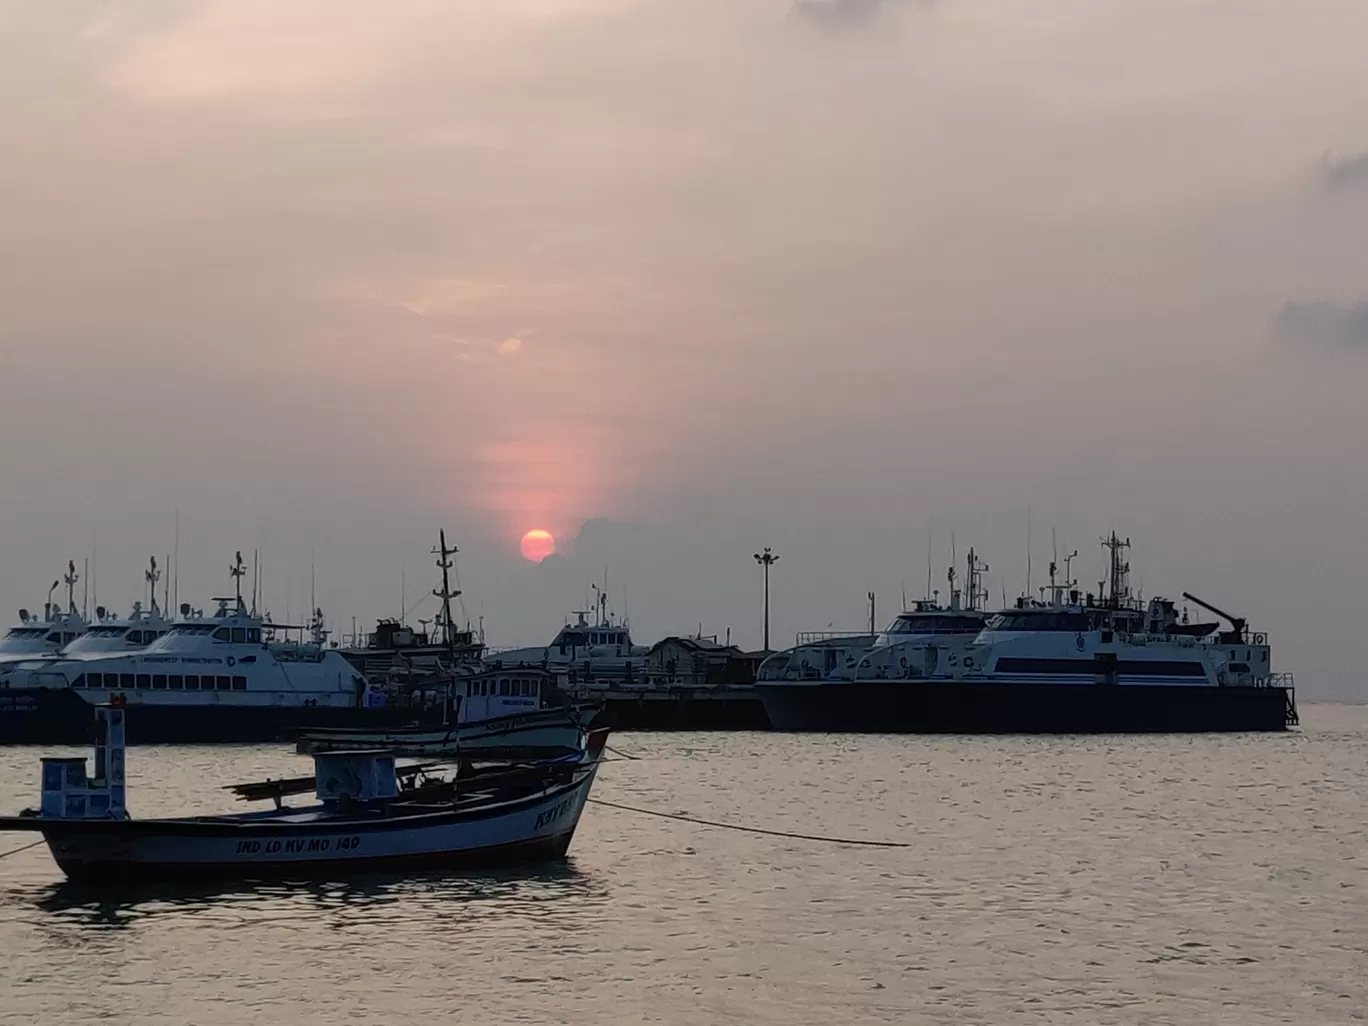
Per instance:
{"type": "Point", "coordinates": [960, 707]}
{"type": "Point", "coordinates": [60, 716]}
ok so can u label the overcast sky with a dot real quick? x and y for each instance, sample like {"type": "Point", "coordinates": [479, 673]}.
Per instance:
{"type": "Point", "coordinates": [677, 279]}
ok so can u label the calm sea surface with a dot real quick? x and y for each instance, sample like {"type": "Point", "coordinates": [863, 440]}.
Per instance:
{"type": "Point", "coordinates": [1049, 880]}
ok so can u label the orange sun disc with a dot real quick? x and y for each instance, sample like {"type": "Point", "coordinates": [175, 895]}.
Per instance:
{"type": "Point", "coordinates": [537, 544]}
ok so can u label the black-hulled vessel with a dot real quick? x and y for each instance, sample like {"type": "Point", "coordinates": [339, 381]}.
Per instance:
{"type": "Point", "coordinates": [1071, 663]}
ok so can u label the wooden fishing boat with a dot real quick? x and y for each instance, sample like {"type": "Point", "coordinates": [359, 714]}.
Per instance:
{"type": "Point", "coordinates": [538, 734]}
{"type": "Point", "coordinates": [497, 713]}
{"type": "Point", "coordinates": [369, 815]}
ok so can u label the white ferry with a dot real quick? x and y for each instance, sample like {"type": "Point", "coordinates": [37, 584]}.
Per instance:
{"type": "Point", "coordinates": [215, 678]}
{"type": "Point", "coordinates": [1073, 663]}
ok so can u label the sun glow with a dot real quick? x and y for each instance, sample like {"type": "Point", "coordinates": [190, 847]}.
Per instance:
{"type": "Point", "coordinates": [537, 544]}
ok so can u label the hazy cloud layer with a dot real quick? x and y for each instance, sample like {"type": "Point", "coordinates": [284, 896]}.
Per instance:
{"type": "Point", "coordinates": [1345, 170]}
{"type": "Point", "coordinates": [326, 276]}
{"type": "Point", "coordinates": [1324, 322]}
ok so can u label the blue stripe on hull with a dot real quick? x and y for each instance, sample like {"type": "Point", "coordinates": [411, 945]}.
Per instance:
{"type": "Point", "coordinates": [101, 874]}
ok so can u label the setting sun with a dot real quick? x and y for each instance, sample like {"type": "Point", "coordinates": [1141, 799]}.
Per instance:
{"type": "Point", "coordinates": [537, 545]}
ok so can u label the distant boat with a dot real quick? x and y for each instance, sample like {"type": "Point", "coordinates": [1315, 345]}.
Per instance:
{"type": "Point", "coordinates": [369, 815]}
{"type": "Point", "coordinates": [506, 713]}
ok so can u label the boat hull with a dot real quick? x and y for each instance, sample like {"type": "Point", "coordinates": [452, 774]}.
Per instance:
{"type": "Point", "coordinates": [530, 829]}
{"type": "Point", "coordinates": [955, 707]}
{"type": "Point", "coordinates": [537, 735]}
{"type": "Point", "coordinates": [60, 716]}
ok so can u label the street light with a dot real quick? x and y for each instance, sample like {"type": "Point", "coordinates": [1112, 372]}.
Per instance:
{"type": "Point", "coordinates": [767, 560]}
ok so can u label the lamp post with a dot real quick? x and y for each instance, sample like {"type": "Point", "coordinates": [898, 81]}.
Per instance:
{"type": "Point", "coordinates": [767, 560]}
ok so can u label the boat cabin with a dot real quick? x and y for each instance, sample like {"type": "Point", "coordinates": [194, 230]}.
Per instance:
{"type": "Point", "coordinates": [484, 696]}
{"type": "Point", "coordinates": [360, 776]}
{"type": "Point", "coordinates": [69, 792]}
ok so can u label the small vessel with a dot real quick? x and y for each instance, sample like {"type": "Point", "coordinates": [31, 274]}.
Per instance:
{"type": "Point", "coordinates": [600, 654]}
{"type": "Point", "coordinates": [508, 714]}
{"type": "Point", "coordinates": [1072, 663]}
{"type": "Point", "coordinates": [368, 815]}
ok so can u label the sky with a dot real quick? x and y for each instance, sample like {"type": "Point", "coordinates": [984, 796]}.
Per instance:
{"type": "Point", "coordinates": [679, 279]}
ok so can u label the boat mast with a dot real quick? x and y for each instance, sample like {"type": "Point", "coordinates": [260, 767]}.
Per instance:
{"type": "Point", "coordinates": [71, 578]}
{"type": "Point", "coordinates": [445, 563]}
{"type": "Point", "coordinates": [238, 570]}
{"type": "Point", "coordinates": [151, 575]}
{"type": "Point", "coordinates": [1118, 570]}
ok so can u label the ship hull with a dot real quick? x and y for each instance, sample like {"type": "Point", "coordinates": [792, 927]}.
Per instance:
{"type": "Point", "coordinates": [60, 716]}
{"type": "Point", "coordinates": [962, 707]}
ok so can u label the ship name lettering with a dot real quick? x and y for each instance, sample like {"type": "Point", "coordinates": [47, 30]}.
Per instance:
{"type": "Point", "coordinates": [553, 814]}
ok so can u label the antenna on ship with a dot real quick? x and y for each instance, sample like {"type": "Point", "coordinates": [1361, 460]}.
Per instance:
{"type": "Point", "coordinates": [166, 588]}
{"type": "Point", "coordinates": [85, 592]}
{"type": "Point", "coordinates": [175, 563]}
{"type": "Point", "coordinates": [977, 568]}
{"type": "Point", "coordinates": [1118, 570]}
{"type": "Point", "coordinates": [71, 578]}
{"type": "Point", "coordinates": [256, 579]}
{"type": "Point", "coordinates": [928, 564]}
{"type": "Point", "coordinates": [237, 570]}
{"type": "Point", "coordinates": [151, 575]}
{"type": "Point", "coordinates": [950, 575]}
{"type": "Point", "coordinates": [871, 614]}
{"type": "Point", "coordinates": [1028, 554]}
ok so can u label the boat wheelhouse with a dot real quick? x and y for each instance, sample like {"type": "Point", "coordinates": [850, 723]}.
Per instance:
{"type": "Point", "coordinates": [37, 636]}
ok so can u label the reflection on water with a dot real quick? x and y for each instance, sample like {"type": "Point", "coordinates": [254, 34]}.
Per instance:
{"type": "Point", "coordinates": [1121, 880]}
{"type": "Point", "coordinates": [533, 893]}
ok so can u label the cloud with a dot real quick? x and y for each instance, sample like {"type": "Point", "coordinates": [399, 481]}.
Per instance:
{"type": "Point", "coordinates": [1345, 170]}
{"type": "Point", "coordinates": [1324, 322]}
{"type": "Point", "coordinates": [510, 347]}
{"type": "Point", "coordinates": [838, 14]}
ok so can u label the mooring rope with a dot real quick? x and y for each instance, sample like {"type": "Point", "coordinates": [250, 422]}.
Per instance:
{"type": "Point", "coordinates": [621, 753]}
{"type": "Point", "coordinates": [16, 851]}
{"type": "Point", "coordinates": [748, 829]}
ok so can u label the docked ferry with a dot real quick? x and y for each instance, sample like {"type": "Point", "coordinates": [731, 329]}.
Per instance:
{"type": "Point", "coordinates": [225, 677]}
{"type": "Point", "coordinates": [1069, 663]}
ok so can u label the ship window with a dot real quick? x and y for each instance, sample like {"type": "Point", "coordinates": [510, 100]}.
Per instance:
{"type": "Point", "coordinates": [224, 683]}
{"type": "Point", "coordinates": [254, 635]}
{"type": "Point", "coordinates": [222, 634]}
{"type": "Point", "coordinates": [240, 634]}
{"type": "Point", "coordinates": [503, 687]}
{"type": "Point", "coordinates": [144, 680]}
{"type": "Point", "coordinates": [125, 680]}
{"type": "Point", "coordinates": [79, 682]}
{"type": "Point", "coordinates": [68, 637]}
{"type": "Point", "coordinates": [159, 681]}
{"type": "Point", "coordinates": [55, 636]}
{"type": "Point", "coordinates": [94, 680]}
{"type": "Point", "coordinates": [134, 637]}
{"type": "Point", "coordinates": [191, 682]}
{"type": "Point", "coordinates": [175, 682]}
{"type": "Point", "coordinates": [239, 683]}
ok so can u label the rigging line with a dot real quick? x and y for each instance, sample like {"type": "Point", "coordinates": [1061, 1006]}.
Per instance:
{"type": "Point", "coordinates": [750, 830]}
{"type": "Point", "coordinates": [16, 851]}
{"type": "Point", "coordinates": [623, 754]}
